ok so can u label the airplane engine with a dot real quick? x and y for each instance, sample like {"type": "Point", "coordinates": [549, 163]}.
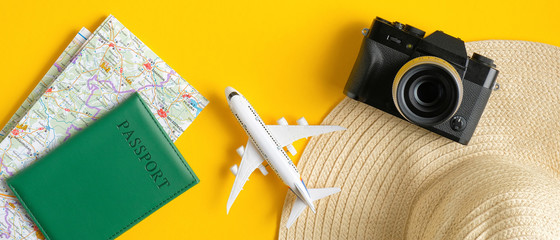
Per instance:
{"type": "Point", "coordinates": [282, 121]}
{"type": "Point", "coordinates": [240, 151]}
{"type": "Point", "coordinates": [234, 169]}
{"type": "Point", "coordinates": [302, 122]}
{"type": "Point", "coordinates": [263, 170]}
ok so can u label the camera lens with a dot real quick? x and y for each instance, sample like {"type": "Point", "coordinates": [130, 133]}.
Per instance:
{"type": "Point", "coordinates": [427, 90]}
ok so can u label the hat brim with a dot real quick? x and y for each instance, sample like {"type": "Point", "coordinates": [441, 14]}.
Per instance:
{"type": "Point", "coordinates": [399, 180]}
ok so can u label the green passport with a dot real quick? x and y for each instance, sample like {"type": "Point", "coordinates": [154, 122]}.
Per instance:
{"type": "Point", "coordinates": [106, 178]}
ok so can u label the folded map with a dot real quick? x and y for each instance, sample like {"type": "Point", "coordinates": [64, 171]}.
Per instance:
{"type": "Point", "coordinates": [55, 70]}
{"type": "Point", "coordinates": [108, 68]}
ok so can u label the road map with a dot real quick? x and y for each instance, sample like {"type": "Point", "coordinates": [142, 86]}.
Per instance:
{"type": "Point", "coordinates": [110, 66]}
{"type": "Point", "coordinates": [55, 70]}
{"type": "Point", "coordinates": [20, 227]}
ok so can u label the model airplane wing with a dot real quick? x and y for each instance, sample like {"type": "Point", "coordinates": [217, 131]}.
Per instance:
{"type": "Point", "coordinates": [251, 160]}
{"type": "Point", "coordinates": [287, 134]}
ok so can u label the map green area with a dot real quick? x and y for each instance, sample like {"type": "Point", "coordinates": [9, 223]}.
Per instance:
{"type": "Point", "coordinates": [89, 80]}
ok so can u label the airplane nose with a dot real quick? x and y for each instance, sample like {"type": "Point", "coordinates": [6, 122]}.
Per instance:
{"type": "Point", "coordinates": [230, 92]}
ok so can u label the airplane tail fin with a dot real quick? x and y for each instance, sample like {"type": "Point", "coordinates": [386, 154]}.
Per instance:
{"type": "Point", "coordinates": [299, 205]}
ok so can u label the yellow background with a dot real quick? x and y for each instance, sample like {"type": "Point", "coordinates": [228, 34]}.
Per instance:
{"type": "Point", "coordinates": [289, 58]}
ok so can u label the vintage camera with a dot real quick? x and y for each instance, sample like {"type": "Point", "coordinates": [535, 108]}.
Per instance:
{"type": "Point", "coordinates": [429, 81]}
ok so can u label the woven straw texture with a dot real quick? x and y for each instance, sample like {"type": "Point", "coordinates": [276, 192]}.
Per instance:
{"type": "Point", "coordinates": [400, 181]}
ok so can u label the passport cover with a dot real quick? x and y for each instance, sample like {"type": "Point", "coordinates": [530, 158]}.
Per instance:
{"type": "Point", "coordinates": [106, 178]}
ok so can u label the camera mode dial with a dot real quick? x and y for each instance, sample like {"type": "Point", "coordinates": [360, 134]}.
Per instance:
{"type": "Point", "coordinates": [398, 25]}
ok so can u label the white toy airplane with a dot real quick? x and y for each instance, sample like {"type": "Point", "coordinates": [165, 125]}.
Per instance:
{"type": "Point", "coordinates": [267, 142]}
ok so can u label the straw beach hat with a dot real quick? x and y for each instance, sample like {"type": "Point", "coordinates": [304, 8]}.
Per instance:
{"type": "Point", "coordinates": [400, 181]}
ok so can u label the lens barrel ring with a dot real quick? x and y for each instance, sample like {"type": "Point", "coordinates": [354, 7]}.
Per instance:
{"type": "Point", "coordinates": [439, 82]}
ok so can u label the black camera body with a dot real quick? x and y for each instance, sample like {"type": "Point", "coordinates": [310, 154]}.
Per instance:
{"type": "Point", "coordinates": [430, 81]}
